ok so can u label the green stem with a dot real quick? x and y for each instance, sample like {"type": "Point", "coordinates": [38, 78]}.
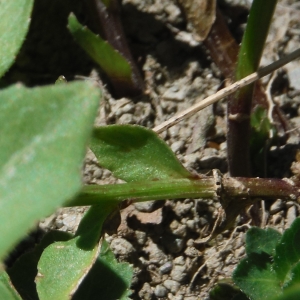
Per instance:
{"type": "Point", "coordinates": [239, 105]}
{"type": "Point", "coordinates": [227, 188]}
{"type": "Point", "coordinates": [145, 191]}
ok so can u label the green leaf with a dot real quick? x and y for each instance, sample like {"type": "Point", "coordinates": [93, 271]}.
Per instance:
{"type": "Point", "coordinates": [7, 291]}
{"type": "Point", "coordinates": [111, 61]}
{"type": "Point", "coordinates": [135, 153]}
{"type": "Point", "coordinates": [289, 294]}
{"type": "Point", "coordinates": [295, 276]}
{"type": "Point", "coordinates": [63, 265]}
{"type": "Point", "coordinates": [288, 253]}
{"type": "Point", "coordinates": [256, 278]}
{"type": "Point", "coordinates": [44, 134]}
{"type": "Point", "coordinates": [23, 272]}
{"type": "Point", "coordinates": [262, 240]}
{"type": "Point", "coordinates": [14, 23]}
{"type": "Point", "coordinates": [225, 291]}
{"type": "Point", "coordinates": [107, 279]}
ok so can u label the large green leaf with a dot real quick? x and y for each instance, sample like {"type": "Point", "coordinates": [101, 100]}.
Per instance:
{"type": "Point", "coordinates": [135, 153]}
{"type": "Point", "coordinates": [288, 253]}
{"type": "Point", "coordinates": [14, 23]}
{"type": "Point", "coordinates": [107, 279]}
{"type": "Point", "coordinates": [44, 134]}
{"type": "Point", "coordinates": [63, 265]}
{"type": "Point", "coordinates": [7, 291]}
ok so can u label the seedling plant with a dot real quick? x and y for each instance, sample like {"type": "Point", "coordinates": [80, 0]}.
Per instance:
{"type": "Point", "coordinates": [43, 146]}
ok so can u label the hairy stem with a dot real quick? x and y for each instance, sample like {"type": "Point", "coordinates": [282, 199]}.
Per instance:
{"type": "Point", "coordinates": [208, 187]}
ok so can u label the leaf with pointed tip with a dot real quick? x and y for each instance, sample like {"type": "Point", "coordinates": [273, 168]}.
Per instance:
{"type": "Point", "coordinates": [135, 153]}
{"type": "Point", "coordinates": [44, 134]}
{"type": "Point", "coordinates": [14, 23]}
{"type": "Point", "coordinates": [111, 61]}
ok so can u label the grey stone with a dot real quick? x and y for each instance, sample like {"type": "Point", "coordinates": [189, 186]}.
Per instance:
{"type": "Point", "coordinates": [276, 206]}
{"type": "Point", "coordinates": [156, 255]}
{"type": "Point", "coordinates": [122, 247]}
{"type": "Point", "coordinates": [177, 146]}
{"type": "Point", "coordinates": [191, 224]}
{"type": "Point", "coordinates": [97, 173]}
{"type": "Point", "coordinates": [178, 273]}
{"type": "Point", "coordinates": [70, 221]}
{"type": "Point", "coordinates": [191, 252]}
{"type": "Point", "coordinates": [160, 291]}
{"type": "Point", "coordinates": [290, 216]}
{"type": "Point", "coordinates": [179, 261]}
{"type": "Point", "coordinates": [183, 208]}
{"type": "Point", "coordinates": [125, 119]}
{"type": "Point", "coordinates": [174, 245]}
{"type": "Point", "coordinates": [147, 206]}
{"type": "Point", "coordinates": [141, 237]}
{"type": "Point", "coordinates": [166, 267]}
{"type": "Point", "coordinates": [180, 231]}
{"type": "Point", "coordinates": [172, 285]}
{"type": "Point", "coordinates": [146, 292]}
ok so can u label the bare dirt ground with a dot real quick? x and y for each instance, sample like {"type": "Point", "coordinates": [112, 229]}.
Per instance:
{"type": "Point", "coordinates": [162, 239]}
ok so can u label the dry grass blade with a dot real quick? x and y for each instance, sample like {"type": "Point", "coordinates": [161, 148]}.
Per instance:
{"type": "Point", "coordinates": [227, 91]}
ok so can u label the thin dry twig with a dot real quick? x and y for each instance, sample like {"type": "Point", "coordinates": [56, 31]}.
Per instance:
{"type": "Point", "coordinates": [227, 91]}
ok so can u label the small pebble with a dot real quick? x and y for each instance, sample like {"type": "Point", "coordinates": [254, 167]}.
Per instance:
{"type": "Point", "coordinates": [177, 146]}
{"type": "Point", "coordinates": [290, 216]}
{"type": "Point", "coordinates": [166, 267]}
{"type": "Point", "coordinates": [121, 247]}
{"type": "Point", "coordinates": [160, 291]}
{"type": "Point", "coordinates": [172, 285]}
{"type": "Point", "coordinates": [146, 292]}
{"type": "Point", "coordinates": [147, 206]}
{"type": "Point", "coordinates": [69, 221]}
{"type": "Point", "coordinates": [181, 231]}
{"type": "Point", "coordinates": [141, 237]}
{"type": "Point", "coordinates": [174, 245]}
{"type": "Point", "coordinates": [191, 252]}
{"type": "Point", "coordinates": [179, 261]}
{"type": "Point", "coordinates": [178, 273]}
{"type": "Point", "coordinates": [276, 206]}
{"type": "Point", "coordinates": [125, 119]}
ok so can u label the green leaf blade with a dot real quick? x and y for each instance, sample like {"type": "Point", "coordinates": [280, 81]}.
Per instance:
{"type": "Point", "coordinates": [14, 23]}
{"type": "Point", "coordinates": [288, 253]}
{"type": "Point", "coordinates": [23, 272]}
{"type": "Point", "coordinates": [63, 265]}
{"type": "Point", "coordinates": [44, 133]}
{"type": "Point", "coordinates": [112, 62]}
{"type": "Point", "coordinates": [134, 153]}
{"type": "Point", "coordinates": [107, 279]}
{"type": "Point", "coordinates": [7, 291]}
{"type": "Point", "coordinates": [255, 277]}
{"type": "Point", "coordinates": [262, 240]}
